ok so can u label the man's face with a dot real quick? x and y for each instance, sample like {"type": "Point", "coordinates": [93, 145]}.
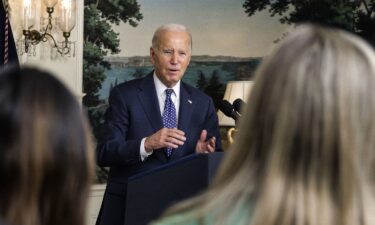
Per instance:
{"type": "Point", "coordinates": [171, 57]}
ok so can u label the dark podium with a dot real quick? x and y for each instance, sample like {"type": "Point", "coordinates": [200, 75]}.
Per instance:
{"type": "Point", "coordinates": [150, 193]}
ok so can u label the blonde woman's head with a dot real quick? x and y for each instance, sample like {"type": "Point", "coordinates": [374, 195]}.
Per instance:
{"type": "Point", "coordinates": [307, 146]}
{"type": "Point", "coordinates": [304, 152]}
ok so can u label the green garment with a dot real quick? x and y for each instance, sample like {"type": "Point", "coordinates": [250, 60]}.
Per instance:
{"type": "Point", "coordinates": [240, 218]}
{"type": "Point", "coordinates": [176, 219]}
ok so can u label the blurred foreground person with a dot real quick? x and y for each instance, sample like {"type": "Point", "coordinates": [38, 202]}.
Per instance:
{"type": "Point", "coordinates": [46, 157]}
{"type": "Point", "coordinates": [304, 154]}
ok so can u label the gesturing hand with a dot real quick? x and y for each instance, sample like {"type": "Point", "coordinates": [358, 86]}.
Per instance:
{"type": "Point", "coordinates": [204, 146]}
{"type": "Point", "coordinates": [165, 137]}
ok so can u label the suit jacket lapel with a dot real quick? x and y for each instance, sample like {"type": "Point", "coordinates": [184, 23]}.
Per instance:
{"type": "Point", "coordinates": [150, 104]}
{"type": "Point", "coordinates": [186, 108]}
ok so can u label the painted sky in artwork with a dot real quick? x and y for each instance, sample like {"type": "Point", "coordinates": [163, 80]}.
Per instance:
{"type": "Point", "coordinates": [219, 27]}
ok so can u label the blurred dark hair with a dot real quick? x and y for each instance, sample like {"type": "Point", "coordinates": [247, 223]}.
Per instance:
{"type": "Point", "coordinates": [46, 160]}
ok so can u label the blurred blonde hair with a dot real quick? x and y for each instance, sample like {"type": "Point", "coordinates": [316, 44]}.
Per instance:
{"type": "Point", "coordinates": [304, 153]}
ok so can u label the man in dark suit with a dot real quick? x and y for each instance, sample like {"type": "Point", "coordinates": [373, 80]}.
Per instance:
{"type": "Point", "coordinates": [138, 134]}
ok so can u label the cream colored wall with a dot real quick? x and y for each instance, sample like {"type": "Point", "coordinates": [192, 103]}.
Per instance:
{"type": "Point", "coordinates": [95, 201]}
{"type": "Point", "coordinates": [67, 69]}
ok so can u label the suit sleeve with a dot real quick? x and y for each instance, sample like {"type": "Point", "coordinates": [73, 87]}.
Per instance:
{"type": "Point", "coordinates": [212, 125]}
{"type": "Point", "coordinates": [113, 148]}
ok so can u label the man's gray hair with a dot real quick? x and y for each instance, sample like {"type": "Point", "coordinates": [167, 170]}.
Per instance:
{"type": "Point", "coordinates": [169, 27]}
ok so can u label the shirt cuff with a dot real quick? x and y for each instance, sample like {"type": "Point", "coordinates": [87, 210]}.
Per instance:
{"type": "Point", "coordinates": [142, 150]}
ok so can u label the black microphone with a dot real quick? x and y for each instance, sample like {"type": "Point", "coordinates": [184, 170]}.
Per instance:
{"type": "Point", "coordinates": [239, 105]}
{"type": "Point", "coordinates": [228, 109]}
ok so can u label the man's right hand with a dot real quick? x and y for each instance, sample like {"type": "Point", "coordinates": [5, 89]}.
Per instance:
{"type": "Point", "coordinates": [165, 137]}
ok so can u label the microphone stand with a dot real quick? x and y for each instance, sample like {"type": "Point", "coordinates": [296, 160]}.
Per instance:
{"type": "Point", "coordinates": [230, 134]}
{"type": "Point", "coordinates": [230, 111]}
{"type": "Point", "coordinates": [233, 130]}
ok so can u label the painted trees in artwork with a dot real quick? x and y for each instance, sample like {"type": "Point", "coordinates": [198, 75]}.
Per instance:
{"type": "Point", "coordinates": [100, 40]}
{"type": "Point", "coordinates": [356, 16]}
{"type": "Point", "coordinates": [212, 87]}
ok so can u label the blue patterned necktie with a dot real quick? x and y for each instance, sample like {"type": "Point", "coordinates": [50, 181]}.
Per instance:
{"type": "Point", "coordinates": [169, 115]}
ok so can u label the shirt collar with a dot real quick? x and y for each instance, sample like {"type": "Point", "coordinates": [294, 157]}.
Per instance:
{"type": "Point", "coordinates": [160, 87]}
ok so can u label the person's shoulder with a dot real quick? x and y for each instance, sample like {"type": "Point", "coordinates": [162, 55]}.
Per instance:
{"type": "Point", "coordinates": [194, 91]}
{"type": "Point", "coordinates": [129, 86]}
{"type": "Point", "coordinates": [130, 83]}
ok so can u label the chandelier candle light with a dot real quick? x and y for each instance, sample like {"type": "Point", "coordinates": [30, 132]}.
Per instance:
{"type": "Point", "coordinates": [66, 22]}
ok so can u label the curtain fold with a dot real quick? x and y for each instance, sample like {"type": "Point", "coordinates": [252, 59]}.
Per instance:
{"type": "Point", "coordinates": [8, 52]}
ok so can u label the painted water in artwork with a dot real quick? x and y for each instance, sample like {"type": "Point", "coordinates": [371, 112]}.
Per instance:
{"type": "Point", "coordinates": [208, 73]}
{"type": "Point", "coordinates": [217, 69]}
